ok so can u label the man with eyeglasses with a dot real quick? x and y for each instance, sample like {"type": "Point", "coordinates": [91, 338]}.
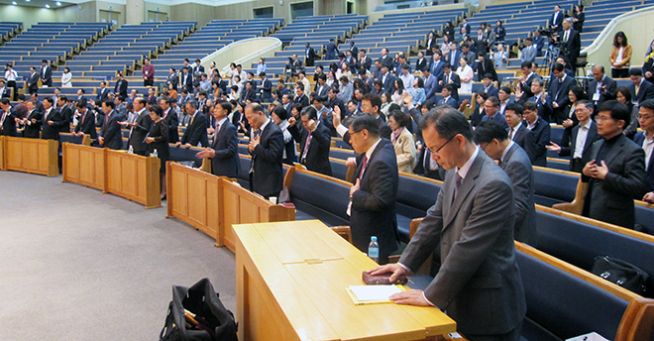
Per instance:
{"type": "Point", "coordinates": [579, 142]}
{"type": "Point", "coordinates": [616, 172]}
{"type": "Point", "coordinates": [645, 139]}
{"type": "Point", "coordinates": [478, 283]}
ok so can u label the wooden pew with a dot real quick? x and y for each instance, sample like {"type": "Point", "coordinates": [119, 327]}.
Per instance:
{"type": "Point", "coordinates": [133, 177]}
{"type": "Point", "coordinates": [34, 156]}
{"type": "Point", "coordinates": [2, 153]}
{"type": "Point", "coordinates": [195, 197]}
{"type": "Point", "coordinates": [84, 165]}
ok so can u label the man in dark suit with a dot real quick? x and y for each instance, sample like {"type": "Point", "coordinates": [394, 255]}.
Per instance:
{"type": "Point", "coordinates": [436, 65]}
{"type": "Point", "coordinates": [63, 106]}
{"type": "Point", "coordinates": [196, 131]}
{"type": "Point", "coordinates": [102, 93]}
{"type": "Point", "coordinates": [187, 80]}
{"type": "Point", "coordinates": [560, 85]}
{"type": "Point", "coordinates": [5, 92]}
{"type": "Point", "coordinates": [321, 87]}
{"type": "Point", "coordinates": [223, 150]}
{"type": "Point", "coordinates": [46, 73]}
{"type": "Point", "coordinates": [266, 147]}
{"type": "Point", "coordinates": [517, 132]}
{"type": "Point", "coordinates": [489, 89]}
{"type": "Point", "coordinates": [525, 83]}
{"type": "Point", "coordinates": [173, 78]}
{"type": "Point", "coordinates": [33, 81]}
{"type": "Point", "coordinates": [471, 226]}
{"type": "Point", "coordinates": [541, 131]}
{"type": "Point", "coordinates": [387, 80]}
{"type": "Point", "coordinates": [492, 110]}
{"type": "Point", "coordinates": [309, 55]}
{"type": "Point", "coordinates": [300, 97]}
{"type": "Point", "coordinates": [578, 143]}
{"type": "Point", "coordinates": [450, 77]}
{"type": "Point", "coordinates": [557, 18]}
{"type": "Point", "coordinates": [120, 89]}
{"type": "Point", "coordinates": [426, 165]}
{"type": "Point", "coordinates": [601, 87]}
{"type": "Point", "coordinates": [364, 61]}
{"type": "Point", "coordinates": [570, 44]}
{"type": "Point", "coordinates": [139, 128]}
{"type": "Point", "coordinates": [494, 140]}
{"type": "Point", "coordinates": [447, 99]}
{"type": "Point", "coordinates": [539, 98]}
{"type": "Point", "coordinates": [7, 119]}
{"type": "Point", "coordinates": [616, 172]}
{"type": "Point", "coordinates": [171, 118]}
{"type": "Point", "coordinates": [265, 87]}
{"type": "Point", "coordinates": [452, 58]}
{"type": "Point", "coordinates": [385, 59]}
{"type": "Point", "coordinates": [485, 67]}
{"type": "Point", "coordinates": [645, 139]}
{"type": "Point", "coordinates": [314, 138]}
{"type": "Point", "coordinates": [640, 88]}
{"type": "Point", "coordinates": [32, 121]}
{"type": "Point", "coordinates": [86, 122]}
{"type": "Point", "coordinates": [332, 50]}
{"type": "Point", "coordinates": [373, 196]}
{"type": "Point", "coordinates": [110, 135]}
{"type": "Point", "coordinates": [52, 120]}
{"type": "Point", "coordinates": [370, 105]}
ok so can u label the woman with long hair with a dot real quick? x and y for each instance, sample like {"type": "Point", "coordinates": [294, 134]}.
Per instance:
{"type": "Point", "coordinates": [620, 56]}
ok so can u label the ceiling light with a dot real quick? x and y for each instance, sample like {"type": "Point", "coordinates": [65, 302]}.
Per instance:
{"type": "Point", "coordinates": [28, 0]}
{"type": "Point", "coordinates": [58, 3]}
{"type": "Point", "coordinates": [14, 3]}
{"type": "Point", "coordinates": [47, 6]}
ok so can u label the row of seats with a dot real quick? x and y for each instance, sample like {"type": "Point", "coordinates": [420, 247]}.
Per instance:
{"type": "Point", "coordinates": [600, 13]}
{"type": "Point", "coordinates": [50, 41]}
{"type": "Point", "coordinates": [126, 47]}
{"type": "Point", "coordinates": [9, 29]}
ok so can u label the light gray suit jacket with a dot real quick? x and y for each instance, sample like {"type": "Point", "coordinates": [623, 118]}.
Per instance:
{"type": "Point", "coordinates": [479, 282]}
{"type": "Point", "coordinates": [517, 166]}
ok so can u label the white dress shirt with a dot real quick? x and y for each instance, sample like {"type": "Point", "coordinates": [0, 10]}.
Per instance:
{"type": "Point", "coordinates": [582, 135]}
{"type": "Point", "coordinates": [648, 147]}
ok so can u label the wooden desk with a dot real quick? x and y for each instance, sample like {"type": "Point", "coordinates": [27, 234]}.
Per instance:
{"type": "Point", "coordinates": [2, 153]}
{"type": "Point", "coordinates": [84, 165]}
{"type": "Point", "coordinates": [291, 280]}
{"type": "Point", "coordinates": [35, 156]}
{"type": "Point", "coordinates": [133, 177]}
{"type": "Point", "coordinates": [195, 197]}
{"type": "Point", "coordinates": [240, 206]}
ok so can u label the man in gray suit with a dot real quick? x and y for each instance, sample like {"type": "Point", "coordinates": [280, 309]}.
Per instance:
{"type": "Point", "coordinates": [616, 172]}
{"type": "Point", "coordinates": [471, 224]}
{"type": "Point", "coordinates": [139, 128]}
{"type": "Point", "coordinates": [494, 140]}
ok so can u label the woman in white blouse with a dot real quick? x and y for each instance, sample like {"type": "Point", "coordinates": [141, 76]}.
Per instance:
{"type": "Point", "coordinates": [10, 77]}
{"type": "Point", "coordinates": [466, 74]}
{"type": "Point", "coordinates": [67, 78]}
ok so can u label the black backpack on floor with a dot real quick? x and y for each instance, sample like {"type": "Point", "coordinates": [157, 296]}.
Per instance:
{"type": "Point", "coordinates": [196, 314]}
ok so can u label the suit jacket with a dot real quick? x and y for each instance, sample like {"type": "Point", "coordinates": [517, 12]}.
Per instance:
{"type": "Point", "coordinates": [455, 81]}
{"type": "Point", "coordinates": [525, 139]}
{"type": "Point", "coordinates": [67, 113]}
{"type": "Point", "coordinates": [33, 82]}
{"type": "Point", "coordinates": [526, 87]}
{"type": "Point", "coordinates": [558, 93]}
{"type": "Point", "coordinates": [365, 62]}
{"type": "Point", "coordinates": [423, 166]}
{"type": "Point", "coordinates": [645, 91]}
{"type": "Point", "coordinates": [492, 91]}
{"type": "Point", "coordinates": [387, 84]}
{"type": "Point", "coordinates": [473, 233]}
{"type": "Point", "coordinates": [309, 56]}
{"type": "Point", "coordinates": [267, 170]}
{"type": "Point", "coordinates": [497, 118]}
{"type": "Point", "coordinates": [51, 132]}
{"type": "Point", "coordinates": [638, 139]}
{"type": "Point", "coordinates": [86, 125]}
{"type": "Point", "coordinates": [612, 199]}
{"type": "Point", "coordinates": [570, 49]}
{"type": "Point", "coordinates": [46, 75]}
{"type": "Point", "coordinates": [8, 124]}
{"type": "Point", "coordinates": [139, 133]}
{"type": "Point", "coordinates": [421, 65]}
{"type": "Point", "coordinates": [541, 134]}
{"type": "Point", "coordinates": [110, 131]}
{"type": "Point", "coordinates": [266, 90]}
{"type": "Point", "coordinates": [173, 79]}
{"type": "Point", "coordinates": [373, 205]}
{"type": "Point", "coordinates": [172, 122]}
{"type": "Point", "coordinates": [33, 129]}
{"type": "Point", "coordinates": [529, 54]}
{"type": "Point", "coordinates": [556, 19]}
{"type": "Point", "coordinates": [121, 88]}
{"type": "Point", "coordinates": [303, 100]}
{"type": "Point", "coordinates": [317, 156]}
{"type": "Point", "coordinates": [187, 82]}
{"type": "Point", "coordinates": [225, 144]}
{"type": "Point", "coordinates": [453, 62]}
{"type": "Point", "coordinates": [101, 95]}
{"type": "Point", "coordinates": [568, 146]}
{"type": "Point", "coordinates": [486, 67]}
{"type": "Point", "coordinates": [196, 131]}
{"type": "Point", "coordinates": [517, 166]}
{"type": "Point", "coordinates": [387, 61]}
{"type": "Point", "coordinates": [607, 91]}
{"type": "Point", "coordinates": [5, 92]}
{"type": "Point", "coordinates": [448, 101]}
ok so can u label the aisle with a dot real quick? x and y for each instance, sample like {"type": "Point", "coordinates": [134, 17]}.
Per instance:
{"type": "Point", "coordinates": [76, 264]}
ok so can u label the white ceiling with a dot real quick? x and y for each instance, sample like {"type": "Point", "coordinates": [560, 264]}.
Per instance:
{"type": "Point", "coordinates": [169, 2]}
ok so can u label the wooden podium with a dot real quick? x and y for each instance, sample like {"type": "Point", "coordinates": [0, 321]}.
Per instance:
{"type": "Point", "coordinates": [84, 165]}
{"type": "Point", "coordinates": [2, 153]}
{"type": "Point", "coordinates": [213, 204]}
{"type": "Point", "coordinates": [35, 156]}
{"type": "Point", "coordinates": [133, 177]}
{"type": "Point", "coordinates": [291, 280]}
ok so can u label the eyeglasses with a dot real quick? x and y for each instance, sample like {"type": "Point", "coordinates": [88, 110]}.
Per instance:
{"type": "Point", "coordinates": [602, 118]}
{"type": "Point", "coordinates": [437, 150]}
{"type": "Point", "coordinates": [645, 117]}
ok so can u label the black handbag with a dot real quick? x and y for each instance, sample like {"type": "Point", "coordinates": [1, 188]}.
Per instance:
{"type": "Point", "coordinates": [622, 273]}
{"type": "Point", "coordinates": [196, 314]}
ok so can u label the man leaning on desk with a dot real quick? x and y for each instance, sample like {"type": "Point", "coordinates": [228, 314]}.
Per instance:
{"type": "Point", "coordinates": [471, 223]}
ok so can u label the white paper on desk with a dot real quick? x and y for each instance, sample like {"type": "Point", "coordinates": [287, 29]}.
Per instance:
{"type": "Point", "coordinates": [588, 337]}
{"type": "Point", "coordinates": [373, 293]}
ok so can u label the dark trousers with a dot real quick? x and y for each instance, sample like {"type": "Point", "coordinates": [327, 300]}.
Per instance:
{"type": "Point", "coordinates": [513, 335]}
{"type": "Point", "coordinates": [12, 84]}
{"type": "Point", "coordinates": [148, 82]}
{"type": "Point", "coordinates": [620, 73]}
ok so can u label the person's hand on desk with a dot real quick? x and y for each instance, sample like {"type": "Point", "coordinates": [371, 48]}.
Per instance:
{"type": "Point", "coordinates": [411, 297]}
{"type": "Point", "coordinates": [395, 269]}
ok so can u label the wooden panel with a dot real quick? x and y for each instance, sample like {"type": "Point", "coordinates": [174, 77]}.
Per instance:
{"type": "Point", "coordinates": [133, 177]}
{"type": "Point", "coordinates": [193, 197]}
{"type": "Point", "coordinates": [2, 153]}
{"type": "Point", "coordinates": [281, 290]}
{"type": "Point", "coordinates": [84, 165]}
{"type": "Point", "coordinates": [35, 156]}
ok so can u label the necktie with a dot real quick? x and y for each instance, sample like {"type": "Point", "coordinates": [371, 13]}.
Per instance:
{"type": "Point", "coordinates": [83, 118]}
{"type": "Point", "coordinates": [567, 35]}
{"type": "Point", "coordinates": [215, 135]}
{"type": "Point", "coordinates": [364, 164]}
{"type": "Point", "coordinates": [257, 133]}
{"type": "Point", "coordinates": [192, 119]}
{"type": "Point", "coordinates": [427, 162]}
{"type": "Point", "coordinates": [306, 149]}
{"type": "Point", "coordinates": [457, 184]}
{"type": "Point", "coordinates": [511, 133]}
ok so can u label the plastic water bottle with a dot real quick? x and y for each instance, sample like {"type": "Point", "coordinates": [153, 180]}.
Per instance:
{"type": "Point", "coordinates": [130, 150]}
{"type": "Point", "coordinates": [154, 153]}
{"type": "Point", "coordinates": [373, 249]}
